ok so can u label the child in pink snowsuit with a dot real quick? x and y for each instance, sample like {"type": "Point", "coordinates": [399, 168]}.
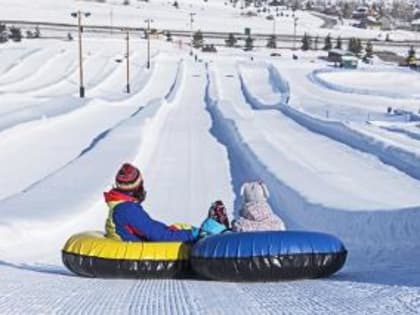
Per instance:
{"type": "Point", "coordinates": [255, 213]}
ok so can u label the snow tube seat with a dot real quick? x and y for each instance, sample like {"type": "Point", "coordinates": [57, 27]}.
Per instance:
{"type": "Point", "coordinates": [268, 256]}
{"type": "Point", "coordinates": [91, 254]}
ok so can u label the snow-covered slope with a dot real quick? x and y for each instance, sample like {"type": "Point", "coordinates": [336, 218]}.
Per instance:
{"type": "Point", "coordinates": [198, 130]}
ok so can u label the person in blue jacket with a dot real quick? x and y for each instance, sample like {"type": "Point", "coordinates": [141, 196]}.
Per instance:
{"type": "Point", "coordinates": [127, 219]}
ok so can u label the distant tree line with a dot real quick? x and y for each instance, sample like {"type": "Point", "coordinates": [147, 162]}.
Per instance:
{"type": "Point", "coordinates": [231, 41]}
{"type": "Point", "coordinates": [14, 33]}
{"type": "Point", "coordinates": [355, 45]}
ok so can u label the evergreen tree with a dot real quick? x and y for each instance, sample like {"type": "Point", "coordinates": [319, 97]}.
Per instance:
{"type": "Point", "coordinates": [37, 33]}
{"type": "Point", "coordinates": [355, 45]}
{"type": "Point", "coordinates": [198, 39]}
{"type": "Point", "coordinates": [3, 34]}
{"type": "Point", "coordinates": [369, 50]}
{"type": "Point", "coordinates": [249, 43]}
{"type": "Point", "coordinates": [271, 43]}
{"type": "Point", "coordinates": [231, 40]}
{"type": "Point", "coordinates": [327, 43]}
{"type": "Point", "coordinates": [306, 42]}
{"type": "Point", "coordinates": [358, 46]}
{"type": "Point", "coordinates": [350, 46]}
{"type": "Point", "coordinates": [29, 34]}
{"type": "Point", "coordinates": [347, 10]}
{"type": "Point", "coordinates": [168, 36]}
{"type": "Point", "coordinates": [16, 34]}
{"type": "Point", "coordinates": [339, 44]}
{"type": "Point", "coordinates": [316, 42]}
{"type": "Point", "coordinates": [296, 5]}
{"type": "Point", "coordinates": [412, 52]}
{"type": "Point", "coordinates": [411, 58]}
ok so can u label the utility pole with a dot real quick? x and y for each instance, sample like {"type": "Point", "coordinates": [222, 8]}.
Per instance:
{"type": "Point", "coordinates": [128, 61]}
{"type": "Point", "coordinates": [148, 21]}
{"type": "Point", "coordinates": [295, 19]}
{"type": "Point", "coordinates": [191, 30]}
{"type": "Point", "coordinates": [274, 26]}
{"type": "Point", "coordinates": [81, 88]}
{"type": "Point", "coordinates": [78, 15]}
{"type": "Point", "coordinates": [111, 17]}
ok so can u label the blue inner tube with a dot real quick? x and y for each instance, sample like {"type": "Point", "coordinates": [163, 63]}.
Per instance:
{"type": "Point", "coordinates": [268, 256]}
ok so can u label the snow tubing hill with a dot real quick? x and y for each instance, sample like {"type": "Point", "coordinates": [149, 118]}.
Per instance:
{"type": "Point", "coordinates": [268, 256]}
{"type": "Point", "coordinates": [91, 254]}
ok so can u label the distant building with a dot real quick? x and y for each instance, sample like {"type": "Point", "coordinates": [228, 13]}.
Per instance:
{"type": "Point", "coordinates": [332, 10]}
{"type": "Point", "coordinates": [349, 62]}
{"type": "Point", "coordinates": [360, 13]}
{"type": "Point", "coordinates": [415, 25]}
{"type": "Point", "coordinates": [366, 20]}
{"type": "Point", "coordinates": [279, 4]}
{"type": "Point", "coordinates": [336, 55]}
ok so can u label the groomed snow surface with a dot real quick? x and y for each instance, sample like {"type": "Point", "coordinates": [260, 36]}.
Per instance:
{"type": "Point", "coordinates": [198, 130]}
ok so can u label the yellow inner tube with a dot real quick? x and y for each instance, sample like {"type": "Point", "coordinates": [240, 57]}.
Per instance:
{"type": "Point", "coordinates": [95, 244]}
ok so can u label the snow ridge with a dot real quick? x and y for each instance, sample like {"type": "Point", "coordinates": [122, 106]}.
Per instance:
{"type": "Point", "coordinates": [47, 108]}
{"type": "Point", "coordinates": [103, 153]}
{"type": "Point", "coordinates": [412, 135]}
{"type": "Point", "coordinates": [398, 157]}
{"type": "Point", "coordinates": [277, 83]}
{"type": "Point", "coordinates": [406, 161]}
{"type": "Point", "coordinates": [316, 78]}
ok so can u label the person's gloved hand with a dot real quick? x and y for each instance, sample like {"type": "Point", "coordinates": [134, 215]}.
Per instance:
{"type": "Point", "coordinates": [210, 226]}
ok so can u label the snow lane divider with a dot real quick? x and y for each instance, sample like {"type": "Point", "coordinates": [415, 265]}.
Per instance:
{"type": "Point", "coordinates": [392, 226]}
{"type": "Point", "coordinates": [18, 61]}
{"type": "Point", "coordinates": [244, 164]}
{"type": "Point", "coordinates": [102, 135]}
{"type": "Point", "coordinates": [47, 108]}
{"type": "Point", "coordinates": [38, 208]}
{"type": "Point", "coordinates": [398, 157]}
{"type": "Point", "coordinates": [315, 77]}
{"type": "Point", "coordinates": [403, 160]}
{"type": "Point", "coordinates": [279, 85]}
{"type": "Point", "coordinates": [179, 79]}
{"type": "Point", "coordinates": [408, 133]}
